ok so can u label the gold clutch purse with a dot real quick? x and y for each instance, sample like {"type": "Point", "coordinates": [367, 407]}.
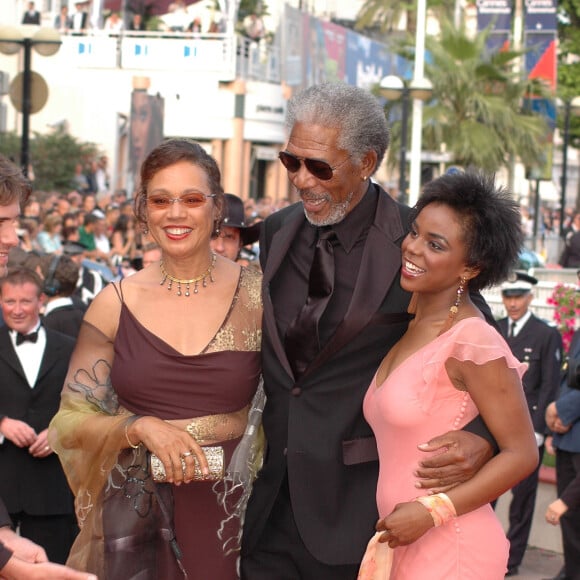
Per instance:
{"type": "Point", "coordinates": [215, 462]}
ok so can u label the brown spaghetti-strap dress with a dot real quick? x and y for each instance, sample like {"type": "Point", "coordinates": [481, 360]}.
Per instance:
{"type": "Point", "coordinates": [152, 378]}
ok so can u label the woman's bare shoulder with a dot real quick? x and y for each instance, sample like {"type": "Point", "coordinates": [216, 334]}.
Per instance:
{"type": "Point", "coordinates": [103, 313]}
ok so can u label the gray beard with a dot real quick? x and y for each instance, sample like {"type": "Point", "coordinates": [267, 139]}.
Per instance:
{"type": "Point", "coordinates": [337, 213]}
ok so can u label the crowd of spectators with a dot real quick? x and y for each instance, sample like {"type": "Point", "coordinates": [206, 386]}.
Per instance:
{"type": "Point", "coordinates": [183, 17]}
{"type": "Point", "coordinates": [95, 230]}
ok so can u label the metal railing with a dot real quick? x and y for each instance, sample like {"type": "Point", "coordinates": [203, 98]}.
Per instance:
{"type": "Point", "coordinates": [227, 56]}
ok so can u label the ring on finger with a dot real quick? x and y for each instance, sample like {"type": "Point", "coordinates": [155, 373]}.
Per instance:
{"type": "Point", "coordinates": [187, 454]}
{"type": "Point", "coordinates": [47, 448]}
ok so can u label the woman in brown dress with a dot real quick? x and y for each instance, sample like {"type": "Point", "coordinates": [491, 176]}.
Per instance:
{"type": "Point", "coordinates": [167, 363]}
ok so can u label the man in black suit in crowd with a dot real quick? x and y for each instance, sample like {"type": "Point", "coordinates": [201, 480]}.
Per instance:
{"type": "Point", "coordinates": [33, 366]}
{"type": "Point", "coordinates": [539, 345]}
{"type": "Point", "coordinates": [20, 559]}
{"type": "Point", "coordinates": [60, 276]}
{"type": "Point", "coordinates": [313, 507]}
{"type": "Point", "coordinates": [79, 18]}
{"type": "Point", "coordinates": [31, 16]}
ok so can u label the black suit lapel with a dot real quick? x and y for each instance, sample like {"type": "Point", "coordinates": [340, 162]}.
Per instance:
{"type": "Point", "coordinates": [381, 262]}
{"type": "Point", "coordinates": [50, 356]}
{"type": "Point", "coordinates": [8, 354]}
{"type": "Point", "coordinates": [279, 247]}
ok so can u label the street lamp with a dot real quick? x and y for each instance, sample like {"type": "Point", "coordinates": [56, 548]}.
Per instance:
{"type": "Point", "coordinates": [571, 106]}
{"type": "Point", "coordinates": [28, 90]}
{"type": "Point", "coordinates": [393, 88]}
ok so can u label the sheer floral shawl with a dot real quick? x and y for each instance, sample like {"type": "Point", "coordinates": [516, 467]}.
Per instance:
{"type": "Point", "coordinates": [120, 510]}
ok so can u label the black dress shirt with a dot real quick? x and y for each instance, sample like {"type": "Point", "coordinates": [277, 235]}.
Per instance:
{"type": "Point", "coordinates": [292, 278]}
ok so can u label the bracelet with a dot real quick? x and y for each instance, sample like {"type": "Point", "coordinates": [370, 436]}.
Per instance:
{"type": "Point", "coordinates": [128, 422]}
{"type": "Point", "coordinates": [439, 506]}
{"type": "Point", "coordinates": [205, 428]}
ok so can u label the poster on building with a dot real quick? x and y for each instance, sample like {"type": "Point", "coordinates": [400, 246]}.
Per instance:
{"type": "Point", "coordinates": [496, 16]}
{"type": "Point", "coordinates": [540, 27]}
{"type": "Point", "coordinates": [368, 61]}
{"type": "Point", "coordinates": [146, 128]}
{"type": "Point", "coordinates": [540, 39]}
{"type": "Point", "coordinates": [325, 51]}
{"type": "Point", "coordinates": [292, 46]}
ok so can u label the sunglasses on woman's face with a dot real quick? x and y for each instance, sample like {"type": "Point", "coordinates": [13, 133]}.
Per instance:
{"type": "Point", "coordinates": [189, 200]}
{"type": "Point", "coordinates": [320, 169]}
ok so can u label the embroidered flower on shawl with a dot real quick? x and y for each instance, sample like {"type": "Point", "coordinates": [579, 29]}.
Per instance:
{"type": "Point", "coordinates": [97, 387]}
{"type": "Point", "coordinates": [134, 480]}
{"type": "Point", "coordinates": [136, 489]}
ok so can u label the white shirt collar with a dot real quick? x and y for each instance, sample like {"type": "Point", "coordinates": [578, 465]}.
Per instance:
{"type": "Point", "coordinates": [57, 303]}
{"type": "Point", "coordinates": [519, 323]}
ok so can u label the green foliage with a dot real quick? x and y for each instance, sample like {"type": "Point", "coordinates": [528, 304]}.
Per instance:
{"type": "Point", "coordinates": [53, 158]}
{"type": "Point", "coordinates": [384, 14]}
{"type": "Point", "coordinates": [477, 108]}
{"type": "Point", "coordinates": [568, 61]}
{"type": "Point", "coordinates": [258, 7]}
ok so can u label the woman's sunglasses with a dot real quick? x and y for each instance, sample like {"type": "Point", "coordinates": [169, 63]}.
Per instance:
{"type": "Point", "coordinates": [189, 200]}
{"type": "Point", "coordinates": [320, 169]}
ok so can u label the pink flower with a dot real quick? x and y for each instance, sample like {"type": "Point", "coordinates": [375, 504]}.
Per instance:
{"type": "Point", "coordinates": [566, 302]}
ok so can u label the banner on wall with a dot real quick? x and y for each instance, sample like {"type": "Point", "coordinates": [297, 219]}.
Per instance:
{"type": "Point", "coordinates": [368, 61]}
{"type": "Point", "coordinates": [146, 128]}
{"type": "Point", "coordinates": [497, 16]}
{"type": "Point", "coordinates": [315, 51]}
{"type": "Point", "coordinates": [325, 54]}
{"type": "Point", "coordinates": [293, 56]}
{"type": "Point", "coordinates": [540, 27]}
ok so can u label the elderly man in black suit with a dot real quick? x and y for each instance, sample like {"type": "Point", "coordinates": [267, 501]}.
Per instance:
{"type": "Point", "coordinates": [539, 345]}
{"type": "Point", "coordinates": [33, 366]}
{"type": "Point", "coordinates": [333, 306]}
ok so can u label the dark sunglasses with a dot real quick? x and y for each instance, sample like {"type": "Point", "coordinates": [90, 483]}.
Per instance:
{"type": "Point", "coordinates": [320, 169]}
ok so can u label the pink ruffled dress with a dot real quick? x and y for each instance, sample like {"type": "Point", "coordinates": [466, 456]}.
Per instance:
{"type": "Point", "coordinates": [415, 403]}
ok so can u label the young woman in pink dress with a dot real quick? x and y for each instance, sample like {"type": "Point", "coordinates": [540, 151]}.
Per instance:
{"type": "Point", "coordinates": [449, 366]}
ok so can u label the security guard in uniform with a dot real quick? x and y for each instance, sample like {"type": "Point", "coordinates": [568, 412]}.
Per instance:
{"type": "Point", "coordinates": [539, 345]}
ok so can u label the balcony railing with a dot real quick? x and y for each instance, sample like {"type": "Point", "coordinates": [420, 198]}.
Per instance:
{"type": "Point", "coordinates": [227, 56]}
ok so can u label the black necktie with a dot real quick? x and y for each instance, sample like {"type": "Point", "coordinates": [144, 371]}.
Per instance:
{"type": "Point", "coordinates": [513, 325]}
{"type": "Point", "coordinates": [302, 340]}
{"type": "Point", "coordinates": [32, 337]}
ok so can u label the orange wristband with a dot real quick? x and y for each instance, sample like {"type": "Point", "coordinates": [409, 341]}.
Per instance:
{"type": "Point", "coordinates": [439, 506]}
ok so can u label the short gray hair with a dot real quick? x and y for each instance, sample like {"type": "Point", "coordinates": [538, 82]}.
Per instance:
{"type": "Point", "coordinates": [354, 111]}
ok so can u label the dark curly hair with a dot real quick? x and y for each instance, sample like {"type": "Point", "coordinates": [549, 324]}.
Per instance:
{"type": "Point", "coordinates": [168, 153]}
{"type": "Point", "coordinates": [490, 219]}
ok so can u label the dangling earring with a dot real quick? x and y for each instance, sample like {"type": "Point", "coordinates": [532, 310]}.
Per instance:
{"type": "Point", "coordinates": [454, 308]}
{"type": "Point", "coordinates": [216, 229]}
{"type": "Point", "coordinates": [412, 308]}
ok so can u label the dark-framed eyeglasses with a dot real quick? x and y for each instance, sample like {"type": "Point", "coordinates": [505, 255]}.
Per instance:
{"type": "Point", "coordinates": [189, 200]}
{"type": "Point", "coordinates": [320, 169]}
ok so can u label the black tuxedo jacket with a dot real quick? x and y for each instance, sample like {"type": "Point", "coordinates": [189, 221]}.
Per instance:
{"type": "Point", "coordinates": [539, 345]}
{"type": "Point", "coordinates": [314, 426]}
{"type": "Point", "coordinates": [4, 517]}
{"type": "Point", "coordinates": [66, 319]}
{"type": "Point", "coordinates": [31, 17]}
{"type": "Point", "coordinates": [34, 486]}
{"type": "Point", "coordinates": [5, 520]}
